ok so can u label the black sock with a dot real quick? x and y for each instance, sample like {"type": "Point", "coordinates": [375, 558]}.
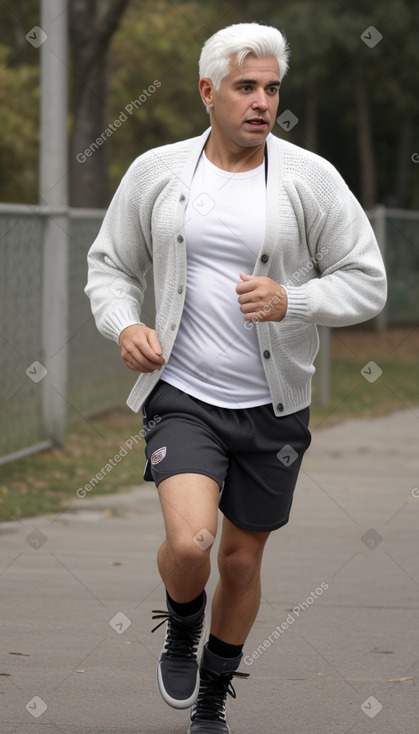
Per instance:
{"type": "Point", "coordinates": [187, 609]}
{"type": "Point", "coordinates": [223, 649]}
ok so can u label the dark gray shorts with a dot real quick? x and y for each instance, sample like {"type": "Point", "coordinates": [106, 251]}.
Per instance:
{"type": "Point", "coordinates": [253, 455]}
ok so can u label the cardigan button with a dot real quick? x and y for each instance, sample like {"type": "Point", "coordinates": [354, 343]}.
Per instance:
{"type": "Point", "coordinates": [180, 289]}
{"type": "Point", "coordinates": [264, 258]}
{"type": "Point", "coordinates": [266, 354]}
{"type": "Point", "coordinates": [182, 197]}
{"type": "Point", "coordinates": [280, 407]}
{"type": "Point", "coordinates": [180, 238]}
{"type": "Point", "coordinates": [173, 327]}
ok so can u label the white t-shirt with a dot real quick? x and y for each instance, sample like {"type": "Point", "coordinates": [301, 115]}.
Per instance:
{"type": "Point", "coordinates": [215, 358]}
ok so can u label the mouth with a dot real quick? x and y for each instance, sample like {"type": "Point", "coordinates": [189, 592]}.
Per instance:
{"type": "Point", "coordinates": [257, 122]}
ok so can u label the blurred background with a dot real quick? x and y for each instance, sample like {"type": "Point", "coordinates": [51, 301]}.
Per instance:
{"type": "Point", "coordinates": [131, 71]}
{"type": "Point", "coordinates": [357, 106]}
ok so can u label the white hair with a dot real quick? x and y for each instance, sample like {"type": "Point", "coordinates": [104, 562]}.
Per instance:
{"type": "Point", "coordinates": [241, 39]}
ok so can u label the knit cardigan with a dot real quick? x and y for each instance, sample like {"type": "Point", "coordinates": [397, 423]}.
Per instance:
{"type": "Point", "coordinates": [318, 244]}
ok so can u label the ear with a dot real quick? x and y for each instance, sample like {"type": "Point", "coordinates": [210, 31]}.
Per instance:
{"type": "Point", "coordinates": [206, 89]}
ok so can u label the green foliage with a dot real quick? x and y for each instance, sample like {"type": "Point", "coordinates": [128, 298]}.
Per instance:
{"type": "Point", "coordinates": [326, 47]}
{"type": "Point", "coordinates": [19, 122]}
{"type": "Point", "coordinates": [155, 44]}
{"type": "Point", "coordinates": [161, 40]}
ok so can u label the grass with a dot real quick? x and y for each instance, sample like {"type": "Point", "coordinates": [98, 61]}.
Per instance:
{"type": "Point", "coordinates": [47, 482]}
{"type": "Point", "coordinates": [395, 352]}
{"type": "Point", "coordinates": [354, 397]}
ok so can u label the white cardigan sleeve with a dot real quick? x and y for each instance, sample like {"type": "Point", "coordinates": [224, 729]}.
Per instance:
{"type": "Point", "coordinates": [352, 286]}
{"type": "Point", "coordinates": [118, 261]}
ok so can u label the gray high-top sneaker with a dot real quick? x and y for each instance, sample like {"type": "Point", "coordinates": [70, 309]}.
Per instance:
{"type": "Point", "coordinates": [177, 670]}
{"type": "Point", "coordinates": [208, 713]}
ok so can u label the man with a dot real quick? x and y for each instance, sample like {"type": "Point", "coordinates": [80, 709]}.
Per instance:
{"type": "Point", "coordinates": [253, 242]}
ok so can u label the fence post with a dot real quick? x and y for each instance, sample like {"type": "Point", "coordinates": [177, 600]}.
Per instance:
{"type": "Point", "coordinates": [323, 366]}
{"type": "Point", "coordinates": [54, 196]}
{"type": "Point", "coordinates": [379, 224]}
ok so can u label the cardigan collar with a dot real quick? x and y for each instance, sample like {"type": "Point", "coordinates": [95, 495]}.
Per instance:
{"type": "Point", "coordinates": [199, 145]}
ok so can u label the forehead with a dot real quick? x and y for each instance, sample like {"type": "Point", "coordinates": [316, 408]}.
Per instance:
{"type": "Point", "coordinates": [254, 68]}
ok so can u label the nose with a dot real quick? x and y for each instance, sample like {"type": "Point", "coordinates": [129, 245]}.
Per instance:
{"type": "Point", "coordinates": [260, 100]}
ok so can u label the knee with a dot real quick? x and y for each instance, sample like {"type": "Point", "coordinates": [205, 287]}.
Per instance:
{"type": "Point", "coordinates": [239, 566]}
{"type": "Point", "coordinates": [189, 554]}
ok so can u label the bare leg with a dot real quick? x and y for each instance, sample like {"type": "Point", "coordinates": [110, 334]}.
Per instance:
{"type": "Point", "coordinates": [190, 504]}
{"type": "Point", "coordinates": [237, 596]}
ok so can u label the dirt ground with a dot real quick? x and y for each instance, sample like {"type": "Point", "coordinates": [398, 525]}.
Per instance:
{"type": "Point", "coordinates": [400, 344]}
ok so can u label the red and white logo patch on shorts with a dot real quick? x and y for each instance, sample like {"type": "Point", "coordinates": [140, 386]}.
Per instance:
{"type": "Point", "coordinates": [158, 455]}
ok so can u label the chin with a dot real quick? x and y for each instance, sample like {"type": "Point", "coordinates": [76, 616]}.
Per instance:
{"type": "Point", "coordinates": [255, 140]}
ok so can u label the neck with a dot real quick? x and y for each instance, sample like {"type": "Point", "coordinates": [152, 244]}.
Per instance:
{"type": "Point", "coordinates": [233, 157]}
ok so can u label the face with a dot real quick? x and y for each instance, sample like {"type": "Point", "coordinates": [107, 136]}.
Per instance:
{"type": "Point", "coordinates": [243, 110]}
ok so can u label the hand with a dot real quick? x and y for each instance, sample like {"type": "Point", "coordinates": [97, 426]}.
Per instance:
{"type": "Point", "coordinates": [261, 299]}
{"type": "Point", "coordinates": [140, 348]}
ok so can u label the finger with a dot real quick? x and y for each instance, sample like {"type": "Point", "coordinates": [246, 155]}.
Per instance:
{"type": "Point", "coordinates": [154, 343]}
{"type": "Point", "coordinates": [247, 308]}
{"type": "Point", "coordinates": [247, 287]}
{"type": "Point", "coordinates": [245, 276]}
{"type": "Point", "coordinates": [255, 317]}
{"type": "Point", "coordinates": [141, 348]}
{"type": "Point", "coordinates": [128, 362]}
{"type": "Point", "coordinates": [137, 367]}
{"type": "Point", "coordinates": [138, 361]}
{"type": "Point", "coordinates": [250, 297]}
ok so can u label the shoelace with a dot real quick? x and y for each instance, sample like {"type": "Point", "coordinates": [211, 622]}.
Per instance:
{"type": "Point", "coordinates": [181, 641]}
{"type": "Point", "coordinates": [212, 695]}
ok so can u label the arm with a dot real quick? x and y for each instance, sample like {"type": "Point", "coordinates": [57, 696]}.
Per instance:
{"type": "Point", "coordinates": [352, 285]}
{"type": "Point", "coordinates": [118, 262]}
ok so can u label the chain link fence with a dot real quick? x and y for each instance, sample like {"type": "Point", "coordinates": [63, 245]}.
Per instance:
{"type": "Point", "coordinates": [21, 238]}
{"type": "Point", "coordinates": [402, 264]}
{"type": "Point", "coordinates": [96, 381]}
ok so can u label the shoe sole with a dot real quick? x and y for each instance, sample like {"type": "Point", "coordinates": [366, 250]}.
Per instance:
{"type": "Point", "coordinates": [175, 703]}
{"type": "Point", "coordinates": [187, 702]}
{"type": "Point", "coordinates": [189, 729]}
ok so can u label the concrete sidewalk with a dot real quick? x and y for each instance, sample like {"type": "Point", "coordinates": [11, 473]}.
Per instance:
{"type": "Point", "coordinates": [335, 648]}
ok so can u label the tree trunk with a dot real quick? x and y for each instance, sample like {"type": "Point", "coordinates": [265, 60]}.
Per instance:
{"type": "Point", "coordinates": [91, 32]}
{"type": "Point", "coordinates": [365, 142]}
{"type": "Point", "coordinates": [89, 160]}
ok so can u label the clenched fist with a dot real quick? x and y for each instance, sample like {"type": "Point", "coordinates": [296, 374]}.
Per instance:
{"type": "Point", "coordinates": [140, 348]}
{"type": "Point", "coordinates": [261, 298]}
